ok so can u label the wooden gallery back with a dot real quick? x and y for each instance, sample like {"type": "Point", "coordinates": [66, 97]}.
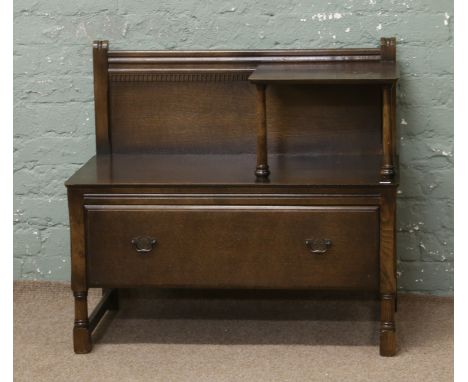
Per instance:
{"type": "Point", "coordinates": [238, 169]}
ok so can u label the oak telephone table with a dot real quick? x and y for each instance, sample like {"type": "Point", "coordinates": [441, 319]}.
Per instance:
{"type": "Point", "coordinates": [185, 193]}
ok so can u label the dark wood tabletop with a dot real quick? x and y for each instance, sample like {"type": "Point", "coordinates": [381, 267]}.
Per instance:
{"type": "Point", "coordinates": [222, 170]}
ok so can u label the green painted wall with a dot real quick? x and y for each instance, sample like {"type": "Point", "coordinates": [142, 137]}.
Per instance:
{"type": "Point", "coordinates": [54, 120]}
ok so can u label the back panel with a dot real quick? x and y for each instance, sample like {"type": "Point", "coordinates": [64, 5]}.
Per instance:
{"type": "Point", "coordinates": [182, 117]}
{"type": "Point", "coordinates": [202, 103]}
{"type": "Point", "coordinates": [322, 119]}
{"type": "Point", "coordinates": [219, 117]}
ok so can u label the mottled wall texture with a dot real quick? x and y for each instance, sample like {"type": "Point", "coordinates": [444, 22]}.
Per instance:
{"type": "Point", "coordinates": [54, 118]}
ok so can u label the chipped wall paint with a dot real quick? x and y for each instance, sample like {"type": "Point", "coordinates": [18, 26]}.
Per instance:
{"type": "Point", "coordinates": [53, 132]}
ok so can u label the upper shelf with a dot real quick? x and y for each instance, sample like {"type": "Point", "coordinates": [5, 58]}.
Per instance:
{"type": "Point", "coordinates": [380, 72]}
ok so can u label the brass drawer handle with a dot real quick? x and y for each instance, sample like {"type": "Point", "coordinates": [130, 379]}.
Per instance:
{"type": "Point", "coordinates": [318, 246]}
{"type": "Point", "coordinates": [144, 244]}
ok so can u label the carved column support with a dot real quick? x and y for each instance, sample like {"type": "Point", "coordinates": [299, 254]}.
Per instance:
{"type": "Point", "coordinates": [262, 170]}
{"type": "Point", "coordinates": [387, 171]}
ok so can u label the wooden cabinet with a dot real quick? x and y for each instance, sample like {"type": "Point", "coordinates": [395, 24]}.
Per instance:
{"type": "Point", "coordinates": [238, 169]}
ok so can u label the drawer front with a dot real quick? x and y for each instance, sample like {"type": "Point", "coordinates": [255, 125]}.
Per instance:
{"type": "Point", "coordinates": [233, 246]}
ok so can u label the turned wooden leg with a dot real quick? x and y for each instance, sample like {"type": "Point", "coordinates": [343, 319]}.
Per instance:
{"type": "Point", "coordinates": [85, 325]}
{"type": "Point", "coordinates": [387, 274]}
{"type": "Point", "coordinates": [81, 331]}
{"type": "Point", "coordinates": [387, 325]}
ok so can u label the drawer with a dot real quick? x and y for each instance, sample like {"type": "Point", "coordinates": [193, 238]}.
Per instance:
{"type": "Point", "coordinates": [233, 246]}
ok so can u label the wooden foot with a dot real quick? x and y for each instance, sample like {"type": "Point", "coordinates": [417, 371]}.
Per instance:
{"type": "Point", "coordinates": [387, 343]}
{"type": "Point", "coordinates": [387, 325]}
{"type": "Point", "coordinates": [82, 340]}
